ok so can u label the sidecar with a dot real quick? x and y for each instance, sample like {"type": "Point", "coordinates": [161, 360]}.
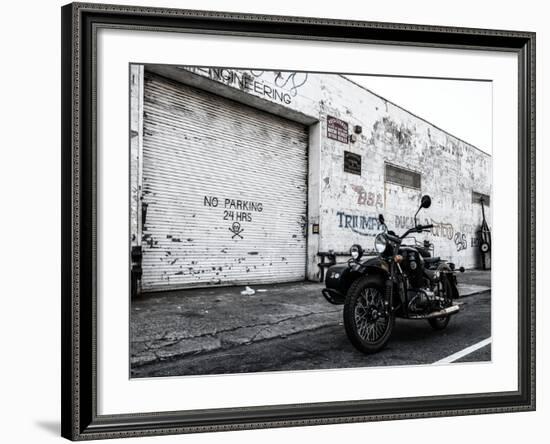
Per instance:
{"type": "Point", "coordinates": [339, 277]}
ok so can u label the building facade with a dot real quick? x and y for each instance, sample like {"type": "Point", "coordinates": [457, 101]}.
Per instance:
{"type": "Point", "coordinates": [245, 177]}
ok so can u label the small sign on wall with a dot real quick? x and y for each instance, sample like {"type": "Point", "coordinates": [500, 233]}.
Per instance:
{"type": "Point", "coordinates": [352, 163]}
{"type": "Point", "coordinates": [337, 129]}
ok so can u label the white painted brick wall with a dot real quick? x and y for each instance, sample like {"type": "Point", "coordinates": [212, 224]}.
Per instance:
{"type": "Point", "coordinates": [450, 168]}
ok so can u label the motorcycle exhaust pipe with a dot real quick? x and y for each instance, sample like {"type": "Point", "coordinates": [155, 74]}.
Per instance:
{"type": "Point", "coordinates": [436, 314]}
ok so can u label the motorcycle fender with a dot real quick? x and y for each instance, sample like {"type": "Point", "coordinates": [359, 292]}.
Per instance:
{"type": "Point", "coordinates": [446, 273]}
{"type": "Point", "coordinates": [375, 265]}
{"type": "Point", "coordinates": [340, 276]}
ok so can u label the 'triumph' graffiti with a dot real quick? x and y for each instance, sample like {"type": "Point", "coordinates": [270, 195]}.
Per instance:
{"type": "Point", "coordinates": [363, 225]}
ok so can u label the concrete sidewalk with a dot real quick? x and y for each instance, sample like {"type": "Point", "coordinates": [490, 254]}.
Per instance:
{"type": "Point", "coordinates": [473, 282]}
{"type": "Point", "coordinates": [176, 324]}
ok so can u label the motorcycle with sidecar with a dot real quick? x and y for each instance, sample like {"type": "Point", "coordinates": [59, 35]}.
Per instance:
{"type": "Point", "coordinates": [401, 281]}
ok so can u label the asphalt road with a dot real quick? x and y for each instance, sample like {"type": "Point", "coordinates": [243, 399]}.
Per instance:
{"type": "Point", "coordinates": [412, 343]}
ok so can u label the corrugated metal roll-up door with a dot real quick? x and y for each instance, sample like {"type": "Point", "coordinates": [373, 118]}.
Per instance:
{"type": "Point", "coordinates": [224, 191]}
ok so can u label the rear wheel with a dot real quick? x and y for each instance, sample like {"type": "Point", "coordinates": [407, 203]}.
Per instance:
{"type": "Point", "coordinates": [439, 323]}
{"type": "Point", "coordinates": [367, 317]}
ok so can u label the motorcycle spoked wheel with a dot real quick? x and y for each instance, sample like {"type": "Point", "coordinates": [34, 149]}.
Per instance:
{"type": "Point", "coordinates": [442, 322]}
{"type": "Point", "coordinates": [367, 320]}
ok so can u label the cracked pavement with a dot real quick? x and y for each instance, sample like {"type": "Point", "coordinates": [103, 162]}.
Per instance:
{"type": "Point", "coordinates": [182, 323]}
{"type": "Point", "coordinates": [187, 323]}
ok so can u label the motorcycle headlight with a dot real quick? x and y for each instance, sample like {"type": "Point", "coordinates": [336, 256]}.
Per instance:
{"type": "Point", "coordinates": [356, 252]}
{"type": "Point", "coordinates": [380, 243]}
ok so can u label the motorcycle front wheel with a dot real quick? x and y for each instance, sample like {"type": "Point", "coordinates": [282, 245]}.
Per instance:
{"type": "Point", "coordinates": [368, 320]}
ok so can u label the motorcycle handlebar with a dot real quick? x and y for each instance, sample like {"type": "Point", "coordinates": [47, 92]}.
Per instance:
{"type": "Point", "coordinates": [395, 239]}
{"type": "Point", "coordinates": [425, 227]}
{"type": "Point", "coordinates": [417, 229]}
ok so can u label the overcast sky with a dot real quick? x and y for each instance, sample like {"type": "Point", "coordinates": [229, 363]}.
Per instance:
{"type": "Point", "coordinates": [460, 107]}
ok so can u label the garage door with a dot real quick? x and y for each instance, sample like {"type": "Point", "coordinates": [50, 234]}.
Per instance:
{"type": "Point", "coordinates": [224, 191]}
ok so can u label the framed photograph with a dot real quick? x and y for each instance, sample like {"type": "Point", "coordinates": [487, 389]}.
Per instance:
{"type": "Point", "coordinates": [275, 221]}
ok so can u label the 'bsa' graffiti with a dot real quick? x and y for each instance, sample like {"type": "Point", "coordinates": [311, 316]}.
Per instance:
{"type": "Point", "coordinates": [368, 198]}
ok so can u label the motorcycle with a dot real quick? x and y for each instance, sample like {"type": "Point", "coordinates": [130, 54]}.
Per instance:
{"type": "Point", "coordinates": [403, 281]}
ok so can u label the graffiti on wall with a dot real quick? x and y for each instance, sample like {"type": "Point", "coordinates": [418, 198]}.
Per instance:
{"type": "Point", "coordinates": [468, 228]}
{"type": "Point", "coordinates": [442, 229]}
{"type": "Point", "coordinates": [363, 225]}
{"type": "Point", "coordinates": [461, 241]}
{"type": "Point", "coordinates": [283, 87]}
{"type": "Point", "coordinates": [235, 211]}
{"type": "Point", "coordinates": [287, 80]}
{"type": "Point", "coordinates": [236, 229]}
{"type": "Point", "coordinates": [369, 198]}
{"type": "Point", "coordinates": [280, 86]}
{"type": "Point", "coordinates": [404, 222]}
{"type": "Point", "coordinates": [369, 225]}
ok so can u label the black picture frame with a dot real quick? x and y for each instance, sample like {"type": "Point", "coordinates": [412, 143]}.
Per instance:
{"type": "Point", "coordinates": [79, 395]}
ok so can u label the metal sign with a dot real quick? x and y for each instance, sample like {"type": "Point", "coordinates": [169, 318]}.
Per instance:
{"type": "Point", "coordinates": [352, 163]}
{"type": "Point", "coordinates": [337, 129]}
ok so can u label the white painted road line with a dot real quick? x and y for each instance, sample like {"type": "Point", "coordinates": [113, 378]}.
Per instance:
{"type": "Point", "coordinates": [464, 352]}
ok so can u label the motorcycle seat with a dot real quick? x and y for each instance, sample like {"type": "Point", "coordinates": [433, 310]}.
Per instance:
{"type": "Point", "coordinates": [431, 260]}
